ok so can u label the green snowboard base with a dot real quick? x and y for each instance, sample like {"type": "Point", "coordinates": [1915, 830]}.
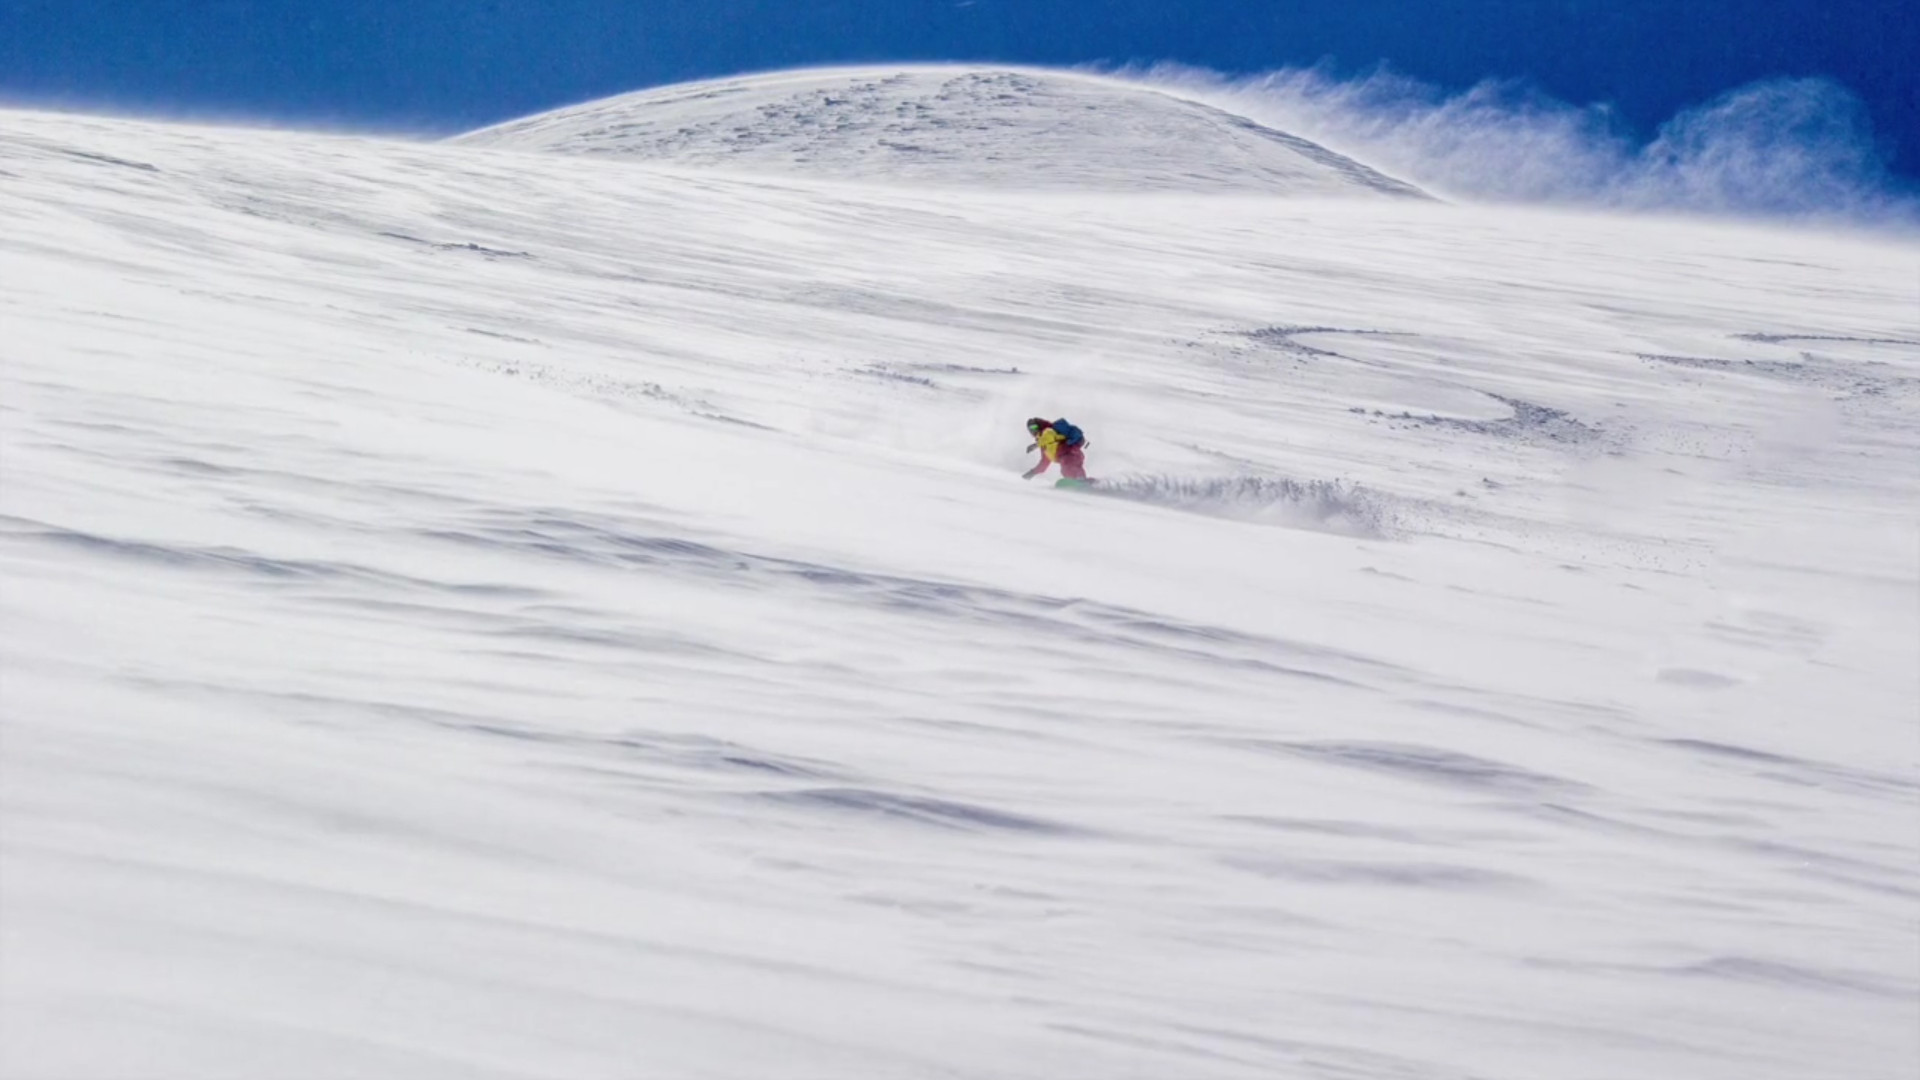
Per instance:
{"type": "Point", "coordinates": [1070, 482]}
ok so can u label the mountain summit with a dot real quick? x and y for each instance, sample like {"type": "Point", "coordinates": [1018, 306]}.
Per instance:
{"type": "Point", "coordinates": [972, 127]}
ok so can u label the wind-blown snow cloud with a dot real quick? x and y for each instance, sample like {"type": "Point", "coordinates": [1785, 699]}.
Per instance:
{"type": "Point", "coordinates": [1789, 148]}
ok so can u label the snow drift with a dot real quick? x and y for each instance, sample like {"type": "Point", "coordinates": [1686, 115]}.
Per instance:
{"type": "Point", "coordinates": [473, 612]}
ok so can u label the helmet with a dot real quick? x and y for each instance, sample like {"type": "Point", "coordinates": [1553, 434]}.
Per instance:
{"type": "Point", "coordinates": [1034, 425]}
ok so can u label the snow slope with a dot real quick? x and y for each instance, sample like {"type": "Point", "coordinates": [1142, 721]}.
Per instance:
{"type": "Point", "coordinates": [487, 614]}
{"type": "Point", "coordinates": [950, 126]}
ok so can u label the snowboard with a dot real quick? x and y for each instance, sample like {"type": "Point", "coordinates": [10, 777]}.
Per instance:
{"type": "Point", "coordinates": [1070, 482]}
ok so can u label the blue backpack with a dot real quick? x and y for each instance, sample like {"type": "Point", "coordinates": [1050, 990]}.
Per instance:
{"type": "Point", "coordinates": [1073, 435]}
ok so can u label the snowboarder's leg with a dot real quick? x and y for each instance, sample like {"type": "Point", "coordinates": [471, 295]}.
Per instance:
{"type": "Point", "coordinates": [1073, 463]}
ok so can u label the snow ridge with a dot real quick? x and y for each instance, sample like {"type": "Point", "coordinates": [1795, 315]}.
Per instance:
{"type": "Point", "coordinates": [998, 128]}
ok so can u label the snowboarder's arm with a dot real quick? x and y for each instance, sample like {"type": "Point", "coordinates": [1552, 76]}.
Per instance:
{"type": "Point", "coordinates": [1045, 463]}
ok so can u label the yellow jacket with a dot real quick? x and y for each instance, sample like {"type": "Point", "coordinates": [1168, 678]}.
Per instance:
{"type": "Point", "coordinates": [1050, 442]}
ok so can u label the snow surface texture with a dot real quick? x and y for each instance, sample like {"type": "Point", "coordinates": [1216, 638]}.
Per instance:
{"type": "Point", "coordinates": [485, 614]}
{"type": "Point", "coordinates": [950, 126]}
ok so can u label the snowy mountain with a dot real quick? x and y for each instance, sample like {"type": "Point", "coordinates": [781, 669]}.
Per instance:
{"type": "Point", "coordinates": [950, 126]}
{"type": "Point", "coordinates": [477, 613]}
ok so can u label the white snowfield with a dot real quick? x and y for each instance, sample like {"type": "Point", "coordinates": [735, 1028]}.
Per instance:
{"type": "Point", "coordinates": [951, 127]}
{"type": "Point", "coordinates": [472, 613]}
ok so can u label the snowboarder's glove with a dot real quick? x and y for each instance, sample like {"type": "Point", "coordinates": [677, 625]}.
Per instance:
{"type": "Point", "coordinates": [1029, 474]}
{"type": "Point", "coordinates": [1031, 447]}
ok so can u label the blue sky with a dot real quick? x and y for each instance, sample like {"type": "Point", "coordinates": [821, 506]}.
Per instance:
{"type": "Point", "coordinates": [446, 65]}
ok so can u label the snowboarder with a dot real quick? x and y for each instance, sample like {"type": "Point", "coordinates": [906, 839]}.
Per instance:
{"type": "Point", "coordinates": [1059, 441]}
